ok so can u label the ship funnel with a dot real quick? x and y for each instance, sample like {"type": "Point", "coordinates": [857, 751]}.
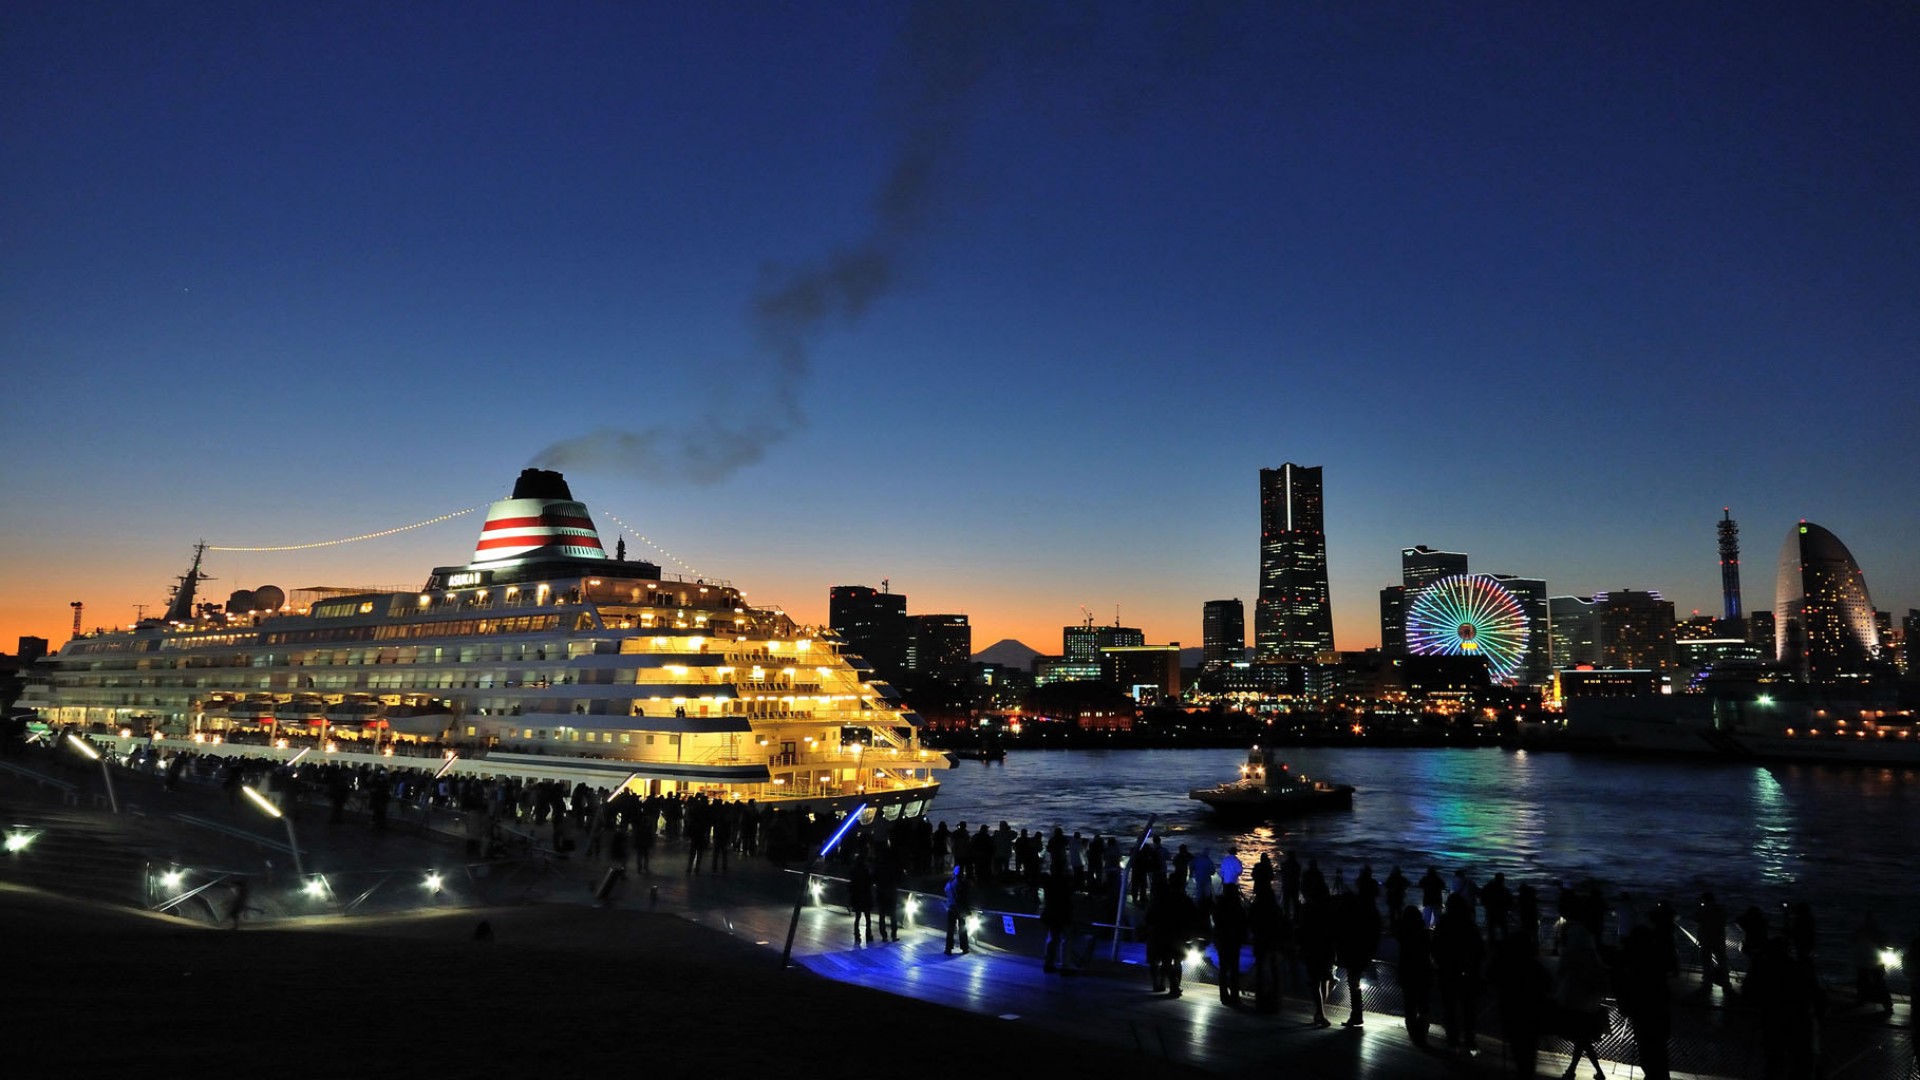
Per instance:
{"type": "Point", "coordinates": [540, 521]}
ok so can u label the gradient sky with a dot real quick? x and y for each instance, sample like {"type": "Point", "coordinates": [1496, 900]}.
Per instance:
{"type": "Point", "coordinates": [1006, 304]}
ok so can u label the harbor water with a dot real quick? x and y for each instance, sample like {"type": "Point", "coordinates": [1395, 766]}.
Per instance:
{"type": "Point", "coordinates": [1841, 839]}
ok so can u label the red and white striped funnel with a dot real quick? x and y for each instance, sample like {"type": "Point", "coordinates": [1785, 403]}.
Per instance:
{"type": "Point", "coordinates": [539, 521]}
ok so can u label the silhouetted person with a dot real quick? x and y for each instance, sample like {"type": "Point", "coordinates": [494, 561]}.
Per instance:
{"type": "Point", "coordinates": [887, 875]}
{"type": "Point", "coordinates": [1056, 914]}
{"type": "Point", "coordinates": [1229, 937]}
{"type": "Point", "coordinates": [1580, 990]}
{"type": "Point", "coordinates": [1786, 995]}
{"type": "Point", "coordinates": [860, 897]}
{"type": "Point", "coordinates": [1415, 971]}
{"type": "Point", "coordinates": [959, 907]}
{"type": "Point", "coordinates": [1524, 992]}
{"type": "Point", "coordinates": [1433, 888]}
{"type": "Point", "coordinates": [1171, 919]}
{"type": "Point", "coordinates": [1290, 885]}
{"type": "Point", "coordinates": [1356, 935]}
{"type": "Point", "coordinates": [1645, 1000]}
{"type": "Point", "coordinates": [1316, 930]}
{"type": "Point", "coordinates": [1458, 954]}
{"type": "Point", "coordinates": [1268, 926]}
{"type": "Point", "coordinates": [1395, 888]}
{"type": "Point", "coordinates": [1497, 902]}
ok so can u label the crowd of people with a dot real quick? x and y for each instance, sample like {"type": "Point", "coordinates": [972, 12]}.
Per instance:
{"type": "Point", "coordinates": [1574, 965]}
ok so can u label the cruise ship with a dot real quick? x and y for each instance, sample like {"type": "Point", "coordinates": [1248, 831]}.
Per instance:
{"type": "Point", "coordinates": [542, 657]}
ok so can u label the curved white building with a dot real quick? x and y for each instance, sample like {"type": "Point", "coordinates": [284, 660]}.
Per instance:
{"type": "Point", "coordinates": [1823, 617]}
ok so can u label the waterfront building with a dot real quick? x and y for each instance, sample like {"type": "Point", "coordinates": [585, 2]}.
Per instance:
{"type": "Point", "coordinates": [1223, 632]}
{"type": "Point", "coordinates": [1573, 628]}
{"type": "Point", "coordinates": [940, 647]}
{"type": "Point", "coordinates": [873, 624]}
{"type": "Point", "coordinates": [1293, 615]}
{"type": "Point", "coordinates": [1823, 617]}
{"type": "Point", "coordinates": [1578, 683]}
{"type": "Point", "coordinates": [1909, 633]}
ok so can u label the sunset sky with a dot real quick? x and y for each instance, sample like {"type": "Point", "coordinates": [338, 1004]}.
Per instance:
{"type": "Point", "coordinates": [1005, 303]}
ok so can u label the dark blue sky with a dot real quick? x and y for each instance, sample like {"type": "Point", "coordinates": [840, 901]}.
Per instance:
{"type": "Point", "coordinates": [1008, 304]}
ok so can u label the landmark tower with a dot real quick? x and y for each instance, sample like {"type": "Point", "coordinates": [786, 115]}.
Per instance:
{"type": "Point", "coordinates": [1293, 616]}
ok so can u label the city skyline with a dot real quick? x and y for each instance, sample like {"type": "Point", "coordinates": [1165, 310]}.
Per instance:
{"type": "Point", "coordinates": [1006, 304]}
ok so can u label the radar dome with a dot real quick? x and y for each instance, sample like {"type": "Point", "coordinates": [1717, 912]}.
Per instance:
{"type": "Point", "coordinates": [269, 598]}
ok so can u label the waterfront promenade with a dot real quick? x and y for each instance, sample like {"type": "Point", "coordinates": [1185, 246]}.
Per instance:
{"type": "Point", "coordinates": [542, 910]}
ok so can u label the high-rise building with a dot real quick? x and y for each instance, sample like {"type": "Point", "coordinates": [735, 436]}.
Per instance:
{"type": "Point", "coordinates": [1223, 632]}
{"type": "Point", "coordinates": [940, 647]}
{"type": "Point", "coordinates": [873, 623]}
{"type": "Point", "coordinates": [1080, 649]}
{"type": "Point", "coordinates": [1393, 620]}
{"type": "Point", "coordinates": [1636, 629]}
{"type": "Point", "coordinates": [1760, 632]}
{"type": "Point", "coordinates": [1574, 629]}
{"type": "Point", "coordinates": [1420, 566]}
{"type": "Point", "coordinates": [1293, 615]}
{"type": "Point", "coordinates": [1536, 664]}
{"type": "Point", "coordinates": [1823, 618]}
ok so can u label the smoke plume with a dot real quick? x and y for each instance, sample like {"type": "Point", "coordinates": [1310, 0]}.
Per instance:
{"type": "Point", "coordinates": [943, 52]}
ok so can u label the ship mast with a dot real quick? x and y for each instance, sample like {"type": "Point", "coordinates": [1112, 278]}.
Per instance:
{"type": "Point", "coordinates": [180, 606]}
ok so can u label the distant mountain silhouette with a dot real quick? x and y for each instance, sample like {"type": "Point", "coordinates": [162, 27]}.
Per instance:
{"type": "Point", "coordinates": [1008, 653]}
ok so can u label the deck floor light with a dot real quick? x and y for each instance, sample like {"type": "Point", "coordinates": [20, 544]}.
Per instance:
{"type": "Point", "coordinates": [87, 748]}
{"type": "Point", "coordinates": [266, 805]}
{"type": "Point", "coordinates": [17, 840]}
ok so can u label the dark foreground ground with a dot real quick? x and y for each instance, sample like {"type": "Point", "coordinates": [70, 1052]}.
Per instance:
{"type": "Point", "coordinates": [91, 990]}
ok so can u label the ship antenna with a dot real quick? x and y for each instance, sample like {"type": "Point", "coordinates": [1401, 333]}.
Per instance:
{"type": "Point", "coordinates": [180, 607]}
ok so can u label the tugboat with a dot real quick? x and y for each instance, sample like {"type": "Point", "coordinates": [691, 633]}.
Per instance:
{"type": "Point", "coordinates": [1268, 788]}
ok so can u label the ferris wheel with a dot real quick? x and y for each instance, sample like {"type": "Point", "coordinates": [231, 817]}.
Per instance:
{"type": "Point", "coordinates": [1470, 615]}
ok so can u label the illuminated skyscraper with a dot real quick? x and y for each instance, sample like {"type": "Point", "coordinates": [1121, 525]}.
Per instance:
{"type": "Point", "coordinates": [1420, 566]}
{"type": "Point", "coordinates": [873, 624]}
{"type": "Point", "coordinates": [1636, 629]}
{"type": "Point", "coordinates": [1823, 618]}
{"type": "Point", "coordinates": [1293, 616]}
{"type": "Point", "coordinates": [1223, 631]}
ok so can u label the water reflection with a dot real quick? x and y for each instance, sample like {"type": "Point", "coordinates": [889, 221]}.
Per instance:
{"type": "Point", "coordinates": [1772, 836]}
{"type": "Point", "coordinates": [1836, 837]}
